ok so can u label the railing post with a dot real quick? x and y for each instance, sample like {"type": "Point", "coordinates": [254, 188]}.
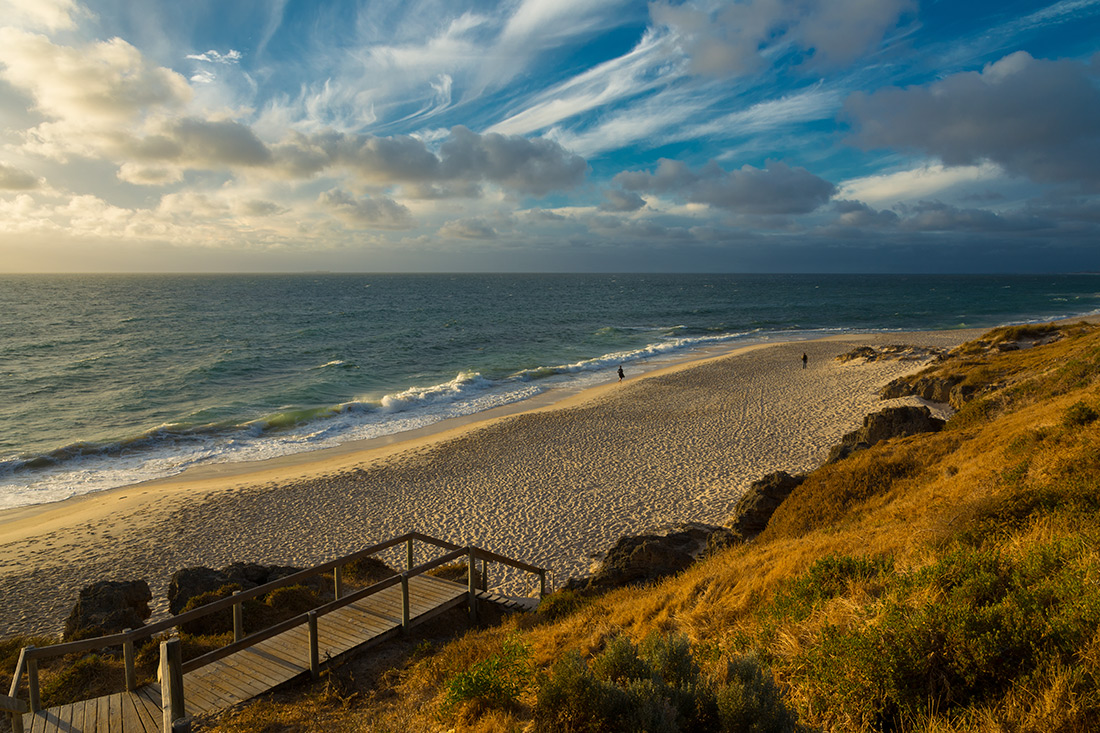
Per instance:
{"type": "Point", "coordinates": [471, 586]}
{"type": "Point", "coordinates": [238, 619]}
{"type": "Point", "coordinates": [409, 554]}
{"type": "Point", "coordinates": [405, 613]}
{"type": "Point", "coordinates": [128, 660]}
{"type": "Point", "coordinates": [32, 682]}
{"type": "Point", "coordinates": [338, 581]}
{"type": "Point", "coordinates": [542, 583]}
{"type": "Point", "coordinates": [485, 575]}
{"type": "Point", "coordinates": [171, 684]}
{"type": "Point", "coordinates": [314, 646]}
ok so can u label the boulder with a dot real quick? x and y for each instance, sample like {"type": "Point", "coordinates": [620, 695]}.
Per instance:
{"type": "Point", "coordinates": [931, 388]}
{"type": "Point", "coordinates": [645, 558]}
{"type": "Point", "coordinates": [892, 422]}
{"type": "Point", "coordinates": [108, 607]}
{"type": "Point", "coordinates": [763, 497]}
{"type": "Point", "coordinates": [187, 583]}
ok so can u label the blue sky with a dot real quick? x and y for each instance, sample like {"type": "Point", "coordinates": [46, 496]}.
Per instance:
{"type": "Point", "coordinates": [550, 135]}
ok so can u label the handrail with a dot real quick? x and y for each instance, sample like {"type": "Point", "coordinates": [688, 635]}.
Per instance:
{"type": "Point", "coordinates": [14, 690]}
{"type": "Point", "coordinates": [13, 705]}
{"type": "Point", "coordinates": [488, 555]}
{"type": "Point", "coordinates": [30, 655]}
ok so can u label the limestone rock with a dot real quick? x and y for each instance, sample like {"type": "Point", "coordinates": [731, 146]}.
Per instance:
{"type": "Point", "coordinates": [108, 607]}
{"type": "Point", "coordinates": [645, 558]}
{"type": "Point", "coordinates": [892, 422]}
{"type": "Point", "coordinates": [763, 497]}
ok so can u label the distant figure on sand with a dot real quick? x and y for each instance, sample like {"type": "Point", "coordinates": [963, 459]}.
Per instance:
{"type": "Point", "coordinates": [621, 375]}
{"type": "Point", "coordinates": [803, 360]}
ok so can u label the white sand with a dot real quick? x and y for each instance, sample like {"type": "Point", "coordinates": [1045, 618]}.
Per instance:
{"type": "Point", "coordinates": [553, 486]}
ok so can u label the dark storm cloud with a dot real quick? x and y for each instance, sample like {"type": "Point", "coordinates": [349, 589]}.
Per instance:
{"type": "Point", "coordinates": [1035, 118]}
{"type": "Point", "coordinates": [776, 189]}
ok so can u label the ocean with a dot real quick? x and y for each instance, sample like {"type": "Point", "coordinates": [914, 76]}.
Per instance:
{"type": "Point", "coordinates": [108, 380]}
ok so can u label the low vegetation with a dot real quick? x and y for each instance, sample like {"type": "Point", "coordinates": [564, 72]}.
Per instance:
{"type": "Point", "coordinates": [944, 582]}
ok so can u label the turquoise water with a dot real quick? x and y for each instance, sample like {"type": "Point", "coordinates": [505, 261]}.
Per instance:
{"type": "Point", "coordinates": [108, 380]}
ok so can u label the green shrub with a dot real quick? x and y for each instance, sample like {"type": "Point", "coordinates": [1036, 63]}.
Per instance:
{"type": "Point", "coordinates": [292, 600]}
{"type": "Point", "coordinates": [994, 622]}
{"type": "Point", "coordinates": [214, 623]}
{"type": "Point", "coordinates": [827, 578]}
{"type": "Point", "coordinates": [750, 701]}
{"type": "Point", "coordinates": [367, 571]}
{"type": "Point", "coordinates": [496, 682]}
{"type": "Point", "coordinates": [657, 686]}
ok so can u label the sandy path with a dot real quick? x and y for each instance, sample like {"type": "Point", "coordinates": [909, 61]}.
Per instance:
{"type": "Point", "coordinates": [553, 487]}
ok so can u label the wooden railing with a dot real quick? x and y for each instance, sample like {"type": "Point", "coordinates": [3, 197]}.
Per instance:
{"type": "Point", "coordinates": [172, 668]}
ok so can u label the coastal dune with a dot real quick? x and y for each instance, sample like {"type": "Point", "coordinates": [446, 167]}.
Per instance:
{"type": "Point", "coordinates": [553, 486]}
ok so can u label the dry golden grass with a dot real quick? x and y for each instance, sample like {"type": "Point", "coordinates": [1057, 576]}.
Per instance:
{"type": "Point", "coordinates": [1019, 471]}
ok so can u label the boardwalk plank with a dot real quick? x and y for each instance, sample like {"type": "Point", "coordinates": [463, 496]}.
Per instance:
{"type": "Point", "coordinates": [114, 713]}
{"type": "Point", "coordinates": [102, 715]}
{"type": "Point", "coordinates": [258, 669]}
{"type": "Point", "coordinates": [149, 698]}
{"type": "Point", "coordinates": [131, 720]}
{"type": "Point", "coordinates": [274, 659]}
{"type": "Point", "coordinates": [134, 712]}
{"type": "Point", "coordinates": [218, 683]}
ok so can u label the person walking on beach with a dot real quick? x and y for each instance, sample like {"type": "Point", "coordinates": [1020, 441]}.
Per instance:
{"type": "Point", "coordinates": [803, 360]}
{"type": "Point", "coordinates": [621, 375]}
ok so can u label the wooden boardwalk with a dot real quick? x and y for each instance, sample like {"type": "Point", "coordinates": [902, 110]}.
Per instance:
{"type": "Point", "coordinates": [258, 668]}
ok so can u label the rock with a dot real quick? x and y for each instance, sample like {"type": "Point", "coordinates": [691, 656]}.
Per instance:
{"type": "Point", "coordinates": [763, 497]}
{"type": "Point", "coordinates": [108, 607]}
{"type": "Point", "coordinates": [721, 539]}
{"type": "Point", "coordinates": [931, 388]}
{"type": "Point", "coordinates": [187, 583]}
{"type": "Point", "coordinates": [900, 352]}
{"type": "Point", "coordinates": [645, 558]}
{"type": "Point", "coordinates": [892, 422]}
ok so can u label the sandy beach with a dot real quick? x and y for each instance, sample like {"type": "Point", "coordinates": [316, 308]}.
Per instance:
{"type": "Point", "coordinates": [553, 484]}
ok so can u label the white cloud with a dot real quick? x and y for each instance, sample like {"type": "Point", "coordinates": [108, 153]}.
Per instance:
{"type": "Point", "coordinates": [925, 182]}
{"type": "Point", "coordinates": [109, 82]}
{"type": "Point", "coordinates": [51, 15]}
{"type": "Point", "coordinates": [214, 57]}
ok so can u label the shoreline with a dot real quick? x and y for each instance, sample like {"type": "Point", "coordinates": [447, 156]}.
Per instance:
{"type": "Point", "coordinates": [549, 480]}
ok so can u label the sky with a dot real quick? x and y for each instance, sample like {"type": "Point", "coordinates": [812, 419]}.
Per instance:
{"type": "Point", "coordinates": [549, 135]}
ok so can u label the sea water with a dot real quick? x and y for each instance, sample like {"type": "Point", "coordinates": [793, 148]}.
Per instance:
{"type": "Point", "coordinates": [107, 380]}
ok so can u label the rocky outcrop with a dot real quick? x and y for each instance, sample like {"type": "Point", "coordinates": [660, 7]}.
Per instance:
{"type": "Point", "coordinates": [763, 497]}
{"type": "Point", "coordinates": [645, 558]}
{"type": "Point", "coordinates": [187, 583]}
{"type": "Point", "coordinates": [931, 388]}
{"type": "Point", "coordinates": [898, 352]}
{"type": "Point", "coordinates": [108, 607]}
{"type": "Point", "coordinates": [892, 422]}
